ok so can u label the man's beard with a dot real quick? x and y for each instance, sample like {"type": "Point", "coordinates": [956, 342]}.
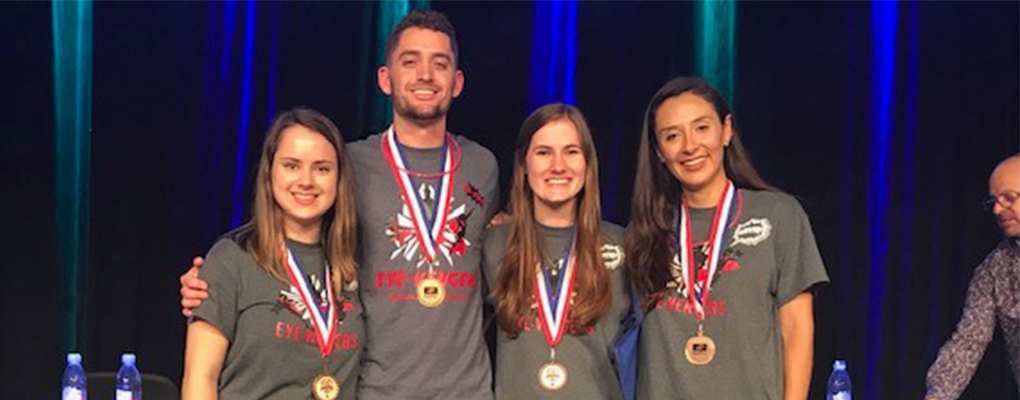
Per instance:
{"type": "Point", "coordinates": [404, 109]}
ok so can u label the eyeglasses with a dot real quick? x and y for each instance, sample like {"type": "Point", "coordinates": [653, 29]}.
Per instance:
{"type": "Point", "coordinates": [1004, 199]}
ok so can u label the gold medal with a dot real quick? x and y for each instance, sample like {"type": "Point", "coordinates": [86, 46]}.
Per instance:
{"type": "Point", "coordinates": [700, 349]}
{"type": "Point", "coordinates": [325, 387]}
{"type": "Point", "coordinates": [552, 376]}
{"type": "Point", "coordinates": [431, 292]}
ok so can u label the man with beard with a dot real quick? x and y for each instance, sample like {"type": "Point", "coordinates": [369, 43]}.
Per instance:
{"type": "Point", "coordinates": [994, 292]}
{"type": "Point", "coordinates": [423, 198]}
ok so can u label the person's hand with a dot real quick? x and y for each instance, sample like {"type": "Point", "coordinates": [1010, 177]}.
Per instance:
{"type": "Point", "coordinates": [193, 289]}
{"type": "Point", "coordinates": [500, 219]}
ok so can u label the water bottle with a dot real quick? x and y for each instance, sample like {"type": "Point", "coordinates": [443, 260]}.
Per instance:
{"type": "Point", "coordinates": [839, 382]}
{"type": "Point", "coordinates": [129, 381]}
{"type": "Point", "coordinates": [74, 379]}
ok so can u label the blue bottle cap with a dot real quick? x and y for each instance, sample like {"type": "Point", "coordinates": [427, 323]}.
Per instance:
{"type": "Point", "coordinates": [839, 365]}
{"type": "Point", "coordinates": [127, 359]}
{"type": "Point", "coordinates": [74, 358]}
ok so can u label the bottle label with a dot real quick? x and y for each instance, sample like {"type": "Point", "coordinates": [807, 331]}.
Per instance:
{"type": "Point", "coordinates": [124, 395]}
{"type": "Point", "coordinates": [73, 394]}
{"type": "Point", "coordinates": [843, 395]}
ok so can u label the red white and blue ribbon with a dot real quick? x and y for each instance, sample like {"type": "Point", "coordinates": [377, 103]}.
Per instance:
{"type": "Point", "coordinates": [554, 301]}
{"type": "Point", "coordinates": [716, 241]}
{"type": "Point", "coordinates": [324, 320]}
{"type": "Point", "coordinates": [429, 231]}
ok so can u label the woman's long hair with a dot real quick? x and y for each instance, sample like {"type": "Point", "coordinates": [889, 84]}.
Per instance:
{"type": "Point", "coordinates": [263, 234]}
{"type": "Point", "coordinates": [651, 242]}
{"type": "Point", "coordinates": [514, 293]}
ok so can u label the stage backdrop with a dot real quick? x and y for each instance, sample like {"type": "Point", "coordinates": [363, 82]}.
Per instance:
{"type": "Point", "coordinates": [131, 132]}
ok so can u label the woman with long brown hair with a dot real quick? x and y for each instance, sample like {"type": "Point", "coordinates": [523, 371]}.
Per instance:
{"type": "Point", "coordinates": [283, 319]}
{"type": "Point", "coordinates": [725, 264]}
{"type": "Point", "coordinates": [556, 269]}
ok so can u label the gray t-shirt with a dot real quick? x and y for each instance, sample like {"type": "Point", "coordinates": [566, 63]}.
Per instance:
{"type": "Point", "coordinates": [415, 352]}
{"type": "Point", "coordinates": [586, 353]}
{"type": "Point", "coordinates": [273, 351]}
{"type": "Point", "coordinates": [772, 257]}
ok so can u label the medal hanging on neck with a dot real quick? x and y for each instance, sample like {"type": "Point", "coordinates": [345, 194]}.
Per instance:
{"type": "Point", "coordinates": [700, 349]}
{"type": "Point", "coordinates": [553, 310]}
{"type": "Point", "coordinates": [324, 320]}
{"type": "Point", "coordinates": [428, 229]}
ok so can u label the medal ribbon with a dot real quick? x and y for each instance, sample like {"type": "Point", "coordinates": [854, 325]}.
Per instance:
{"type": "Point", "coordinates": [716, 240]}
{"type": "Point", "coordinates": [325, 325]}
{"type": "Point", "coordinates": [427, 230]}
{"type": "Point", "coordinates": [554, 301]}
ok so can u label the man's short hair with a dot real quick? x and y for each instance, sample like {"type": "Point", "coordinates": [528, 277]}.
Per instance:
{"type": "Point", "coordinates": [425, 19]}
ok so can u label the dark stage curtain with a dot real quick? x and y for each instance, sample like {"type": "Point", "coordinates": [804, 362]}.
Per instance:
{"type": "Point", "coordinates": [885, 122]}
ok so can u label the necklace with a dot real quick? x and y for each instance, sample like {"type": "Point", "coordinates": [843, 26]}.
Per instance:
{"type": "Point", "coordinates": [455, 156]}
{"type": "Point", "coordinates": [554, 266]}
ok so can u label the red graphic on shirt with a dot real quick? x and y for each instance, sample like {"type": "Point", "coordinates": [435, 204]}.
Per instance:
{"type": "Point", "coordinates": [681, 305]}
{"type": "Point", "coordinates": [452, 241]}
{"type": "Point", "coordinates": [305, 333]}
{"type": "Point", "coordinates": [301, 334]}
{"type": "Point", "coordinates": [400, 279]}
{"type": "Point", "coordinates": [459, 227]}
{"type": "Point", "coordinates": [291, 298]}
{"type": "Point", "coordinates": [730, 266]}
{"type": "Point", "coordinates": [534, 323]}
{"type": "Point", "coordinates": [451, 244]}
{"type": "Point", "coordinates": [474, 194]}
{"type": "Point", "coordinates": [677, 288]}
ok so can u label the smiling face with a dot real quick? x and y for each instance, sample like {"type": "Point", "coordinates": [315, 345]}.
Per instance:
{"type": "Point", "coordinates": [421, 75]}
{"type": "Point", "coordinates": [303, 177]}
{"type": "Point", "coordinates": [556, 166]}
{"type": "Point", "coordinates": [691, 141]}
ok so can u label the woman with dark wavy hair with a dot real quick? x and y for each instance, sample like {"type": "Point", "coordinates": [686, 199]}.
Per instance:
{"type": "Point", "coordinates": [555, 269]}
{"type": "Point", "coordinates": [725, 264]}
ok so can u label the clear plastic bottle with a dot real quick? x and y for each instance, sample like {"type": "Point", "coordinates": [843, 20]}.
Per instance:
{"type": "Point", "coordinates": [73, 383]}
{"type": "Point", "coordinates": [839, 382]}
{"type": "Point", "coordinates": [129, 380]}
